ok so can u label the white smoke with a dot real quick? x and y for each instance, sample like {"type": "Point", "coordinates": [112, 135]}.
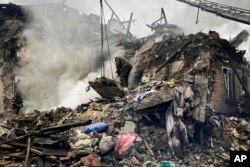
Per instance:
{"type": "Point", "coordinates": [63, 50]}
{"type": "Point", "coordinates": [78, 94]}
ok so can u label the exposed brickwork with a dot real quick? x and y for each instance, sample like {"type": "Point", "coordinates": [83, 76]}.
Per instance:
{"type": "Point", "coordinates": [219, 95]}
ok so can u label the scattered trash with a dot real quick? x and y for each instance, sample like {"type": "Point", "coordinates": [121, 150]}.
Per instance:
{"type": "Point", "coordinates": [168, 164]}
{"type": "Point", "coordinates": [106, 144]}
{"type": "Point", "coordinates": [98, 127]}
{"type": "Point", "coordinates": [129, 127]}
{"type": "Point", "coordinates": [124, 144]}
{"type": "Point", "coordinates": [140, 96]}
{"type": "Point", "coordinates": [171, 84]}
{"type": "Point", "coordinates": [235, 133]}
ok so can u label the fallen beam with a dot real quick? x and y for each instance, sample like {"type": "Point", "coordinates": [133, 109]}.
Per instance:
{"type": "Point", "coordinates": [50, 129]}
{"type": "Point", "coordinates": [174, 55]}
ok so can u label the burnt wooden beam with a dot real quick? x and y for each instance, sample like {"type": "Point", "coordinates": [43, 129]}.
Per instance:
{"type": "Point", "coordinates": [174, 55]}
{"type": "Point", "coordinates": [50, 129]}
{"type": "Point", "coordinates": [60, 127]}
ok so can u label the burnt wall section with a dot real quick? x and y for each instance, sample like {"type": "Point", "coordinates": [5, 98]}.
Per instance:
{"type": "Point", "coordinates": [11, 41]}
{"type": "Point", "coordinates": [7, 79]}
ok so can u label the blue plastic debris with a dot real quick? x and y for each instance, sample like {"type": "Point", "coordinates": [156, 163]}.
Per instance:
{"type": "Point", "coordinates": [140, 96]}
{"type": "Point", "coordinates": [98, 127]}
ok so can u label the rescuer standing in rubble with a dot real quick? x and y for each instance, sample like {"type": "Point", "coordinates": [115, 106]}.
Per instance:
{"type": "Point", "coordinates": [17, 102]}
{"type": "Point", "coordinates": [123, 69]}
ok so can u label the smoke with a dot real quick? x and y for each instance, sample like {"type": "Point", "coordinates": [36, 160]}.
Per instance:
{"type": "Point", "coordinates": [62, 51]}
{"type": "Point", "coordinates": [79, 94]}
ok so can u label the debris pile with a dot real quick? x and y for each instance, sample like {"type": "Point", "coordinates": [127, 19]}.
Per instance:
{"type": "Point", "coordinates": [168, 118]}
{"type": "Point", "coordinates": [120, 136]}
{"type": "Point", "coordinates": [184, 102]}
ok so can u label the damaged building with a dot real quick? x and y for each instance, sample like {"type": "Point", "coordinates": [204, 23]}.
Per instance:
{"type": "Point", "coordinates": [12, 51]}
{"type": "Point", "coordinates": [178, 100]}
{"type": "Point", "coordinates": [220, 70]}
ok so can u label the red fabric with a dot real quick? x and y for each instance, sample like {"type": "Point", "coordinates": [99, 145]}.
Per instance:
{"type": "Point", "coordinates": [124, 144]}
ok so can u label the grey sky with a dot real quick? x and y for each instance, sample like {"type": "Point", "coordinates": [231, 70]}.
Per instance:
{"type": "Point", "coordinates": [147, 11]}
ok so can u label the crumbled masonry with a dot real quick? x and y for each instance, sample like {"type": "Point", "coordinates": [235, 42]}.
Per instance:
{"type": "Point", "coordinates": [181, 100]}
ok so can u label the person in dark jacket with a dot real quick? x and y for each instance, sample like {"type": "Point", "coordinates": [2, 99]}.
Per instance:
{"type": "Point", "coordinates": [17, 103]}
{"type": "Point", "coordinates": [123, 68]}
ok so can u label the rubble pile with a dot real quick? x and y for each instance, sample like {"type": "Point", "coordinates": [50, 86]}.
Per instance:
{"type": "Point", "coordinates": [119, 136]}
{"type": "Point", "coordinates": [237, 132]}
{"type": "Point", "coordinates": [166, 119]}
{"type": "Point", "coordinates": [181, 101]}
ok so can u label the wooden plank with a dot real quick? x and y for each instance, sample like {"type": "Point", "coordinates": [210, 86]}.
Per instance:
{"type": "Point", "coordinates": [148, 147]}
{"type": "Point", "coordinates": [6, 146]}
{"type": "Point", "coordinates": [4, 162]}
{"type": "Point", "coordinates": [17, 155]}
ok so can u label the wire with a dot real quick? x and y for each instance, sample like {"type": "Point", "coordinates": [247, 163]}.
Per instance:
{"type": "Point", "coordinates": [107, 40]}
{"type": "Point", "coordinates": [102, 55]}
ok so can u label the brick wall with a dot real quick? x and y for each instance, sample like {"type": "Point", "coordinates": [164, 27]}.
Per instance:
{"type": "Point", "coordinates": [219, 94]}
